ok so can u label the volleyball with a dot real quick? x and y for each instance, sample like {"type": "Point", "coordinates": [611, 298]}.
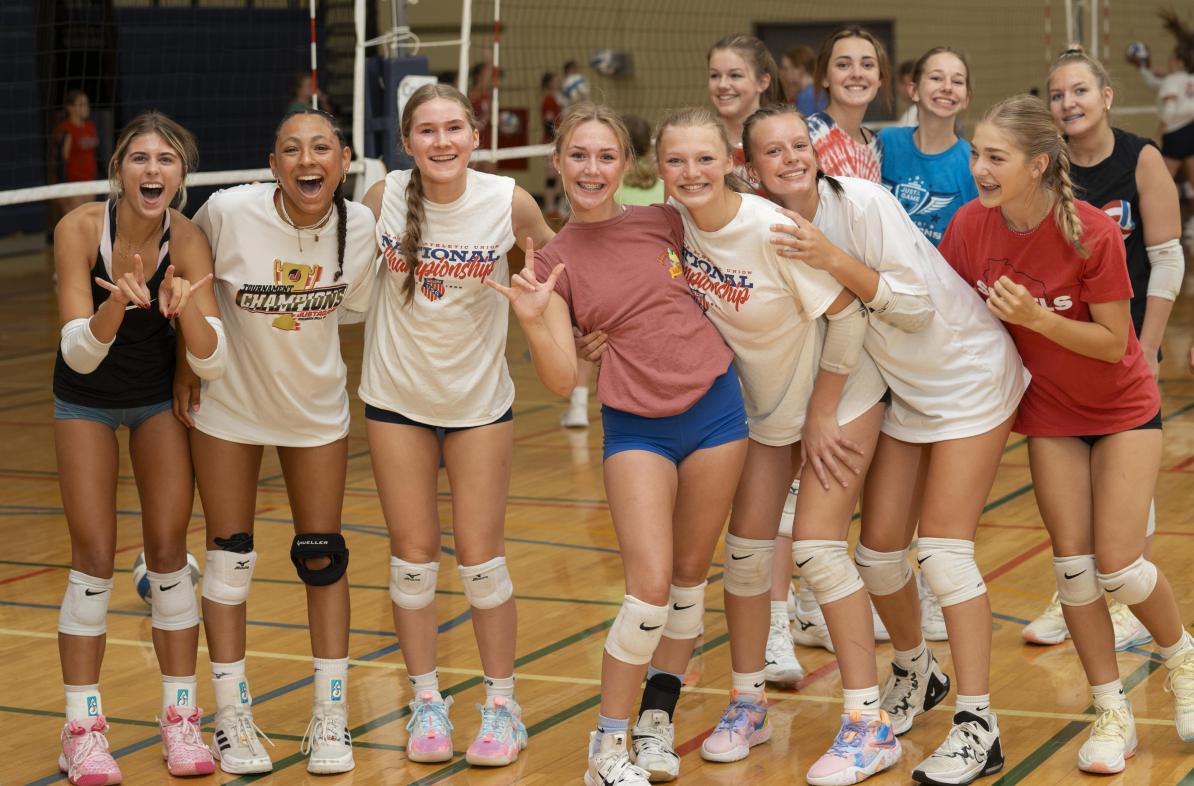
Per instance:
{"type": "Point", "coordinates": [509, 122]}
{"type": "Point", "coordinates": [141, 577]}
{"type": "Point", "coordinates": [1137, 52]}
{"type": "Point", "coordinates": [610, 62]}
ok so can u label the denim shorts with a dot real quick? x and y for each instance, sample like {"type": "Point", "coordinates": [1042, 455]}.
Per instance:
{"type": "Point", "coordinates": [131, 417]}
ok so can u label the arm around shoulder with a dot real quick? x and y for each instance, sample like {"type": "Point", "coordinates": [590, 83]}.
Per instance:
{"type": "Point", "coordinates": [527, 220]}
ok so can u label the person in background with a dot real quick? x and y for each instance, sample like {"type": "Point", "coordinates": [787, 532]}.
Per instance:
{"type": "Point", "coordinates": [796, 69]}
{"type": "Point", "coordinates": [79, 140]}
{"type": "Point", "coordinates": [905, 91]}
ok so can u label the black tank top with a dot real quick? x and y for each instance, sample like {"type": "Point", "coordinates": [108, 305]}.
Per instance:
{"type": "Point", "coordinates": [139, 368]}
{"type": "Point", "coordinates": [1110, 185]}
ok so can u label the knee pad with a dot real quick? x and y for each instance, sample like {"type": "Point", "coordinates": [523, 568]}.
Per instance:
{"type": "Point", "coordinates": [685, 611]}
{"type": "Point", "coordinates": [748, 565]}
{"type": "Point", "coordinates": [320, 546]}
{"type": "Point", "coordinates": [172, 600]}
{"type": "Point", "coordinates": [636, 631]}
{"type": "Point", "coordinates": [1077, 581]}
{"type": "Point", "coordinates": [825, 566]}
{"type": "Point", "coordinates": [487, 585]}
{"type": "Point", "coordinates": [788, 517]}
{"type": "Point", "coordinates": [883, 572]}
{"type": "Point", "coordinates": [84, 609]}
{"type": "Point", "coordinates": [950, 570]}
{"type": "Point", "coordinates": [1151, 526]}
{"type": "Point", "coordinates": [412, 585]}
{"type": "Point", "coordinates": [229, 570]}
{"type": "Point", "coordinates": [1131, 585]}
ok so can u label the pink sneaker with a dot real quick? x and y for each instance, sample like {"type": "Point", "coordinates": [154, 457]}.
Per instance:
{"type": "Point", "coordinates": [85, 758]}
{"type": "Point", "coordinates": [862, 748]}
{"type": "Point", "coordinates": [743, 725]}
{"type": "Point", "coordinates": [182, 744]}
{"type": "Point", "coordinates": [430, 730]}
{"type": "Point", "coordinates": [502, 735]}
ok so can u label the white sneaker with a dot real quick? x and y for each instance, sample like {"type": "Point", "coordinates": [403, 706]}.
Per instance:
{"type": "Point", "coordinates": [609, 763]}
{"type": "Point", "coordinates": [909, 692]}
{"type": "Point", "coordinates": [235, 742]}
{"type": "Point", "coordinates": [1129, 631]}
{"type": "Point", "coordinates": [970, 751]}
{"type": "Point", "coordinates": [1112, 738]}
{"type": "Point", "coordinates": [1180, 682]}
{"type": "Point", "coordinates": [575, 416]}
{"type": "Point", "coordinates": [932, 620]}
{"type": "Point", "coordinates": [810, 629]}
{"type": "Point", "coordinates": [327, 741]}
{"type": "Point", "coordinates": [780, 665]}
{"type": "Point", "coordinates": [1049, 627]}
{"type": "Point", "coordinates": [653, 738]}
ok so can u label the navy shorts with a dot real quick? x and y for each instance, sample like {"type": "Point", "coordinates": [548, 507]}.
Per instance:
{"type": "Point", "coordinates": [1152, 423]}
{"type": "Point", "coordinates": [1179, 143]}
{"type": "Point", "coordinates": [716, 418]}
{"type": "Point", "coordinates": [386, 416]}
{"type": "Point", "coordinates": [112, 418]}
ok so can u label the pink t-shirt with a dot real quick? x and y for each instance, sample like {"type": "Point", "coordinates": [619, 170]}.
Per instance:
{"type": "Point", "coordinates": [624, 276]}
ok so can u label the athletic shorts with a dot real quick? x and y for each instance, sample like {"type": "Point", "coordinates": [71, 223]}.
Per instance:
{"type": "Point", "coordinates": [386, 416]}
{"type": "Point", "coordinates": [716, 418]}
{"type": "Point", "coordinates": [1179, 143]}
{"type": "Point", "coordinates": [1152, 423]}
{"type": "Point", "coordinates": [132, 417]}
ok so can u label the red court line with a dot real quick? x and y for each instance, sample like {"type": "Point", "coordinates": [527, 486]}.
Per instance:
{"type": "Point", "coordinates": [28, 575]}
{"type": "Point", "coordinates": [1016, 561]}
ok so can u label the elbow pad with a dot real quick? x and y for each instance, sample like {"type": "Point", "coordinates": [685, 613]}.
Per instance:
{"type": "Point", "coordinates": [843, 339]}
{"type": "Point", "coordinates": [212, 366]}
{"type": "Point", "coordinates": [1168, 265]}
{"type": "Point", "coordinates": [909, 313]}
{"type": "Point", "coordinates": [81, 350]}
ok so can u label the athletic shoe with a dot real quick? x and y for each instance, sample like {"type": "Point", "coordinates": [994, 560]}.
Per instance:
{"type": "Point", "coordinates": [235, 742]}
{"type": "Point", "coordinates": [575, 416]}
{"type": "Point", "coordinates": [502, 735]}
{"type": "Point", "coordinates": [327, 742]}
{"type": "Point", "coordinates": [1180, 682]}
{"type": "Point", "coordinates": [1129, 631]}
{"type": "Point", "coordinates": [932, 620]}
{"type": "Point", "coordinates": [862, 747]}
{"type": "Point", "coordinates": [430, 730]}
{"type": "Point", "coordinates": [970, 751]}
{"type": "Point", "coordinates": [881, 633]}
{"type": "Point", "coordinates": [743, 725]}
{"type": "Point", "coordinates": [652, 740]}
{"type": "Point", "coordinates": [810, 629]}
{"type": "Point", "coordinates": [182, 744]}
{"type": "Point", "coordinates": [780, 665]}
{"type": "Point", "coordinates": [909, 692]}
{"type": "Point", "coordinates": [85, 758]}
{"type": "Point", "coordinates": [609, 763]}
{"type": "Point", "coordinates": [1049, 628]}
{"type": "Point", "coordinates": [1112, 738]}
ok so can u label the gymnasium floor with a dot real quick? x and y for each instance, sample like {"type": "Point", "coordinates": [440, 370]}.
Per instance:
{"type": "Point", "coordinates": [568, 583]}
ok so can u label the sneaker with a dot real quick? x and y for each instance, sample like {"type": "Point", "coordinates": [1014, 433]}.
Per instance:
{"type": "Point", "coordinates": [1049, 628]}
{"type": "Point", "coordinates": [909, 692]}
{"type": "Point", "coordinates": [430, 730]}
{"type": "Point", "coordinates": [780, 665]}
{"type": "Point", "coordinates": [809, 629]}
{"type": "Point", "coordinates": [235, 742]}
{"type": "Point", "coordinates": [502, 735]}
{"type": "Point", "coordinates": [881, 633]}
{"type": "Point", "coordinates": [327, 743]}
{"type": "Point", "coordinates": [970, 751]}
{"type": "Point", "coordinates": [609, 763]}
{"type": "Point", "coordinates": [1180, 682]}
{"type": "Point", "coordinates": [862, 748]}
{"type": "Point", "coordinates": [932, 620]}
{"type": "Point", "coordinates": [652, 740]}
{"type": "Point", "coordinates": [575, 416]}
{"type": "Point", "coordinates": [743, 725]}
{"type": "Point", "coordinates": [1112, 738]}
{"type": "Point", "coordinates": [182, 744]}
{"type": "Point", "coordinates": [85, 758]}
{"type": "Point", "coordinates": [1129, 631]}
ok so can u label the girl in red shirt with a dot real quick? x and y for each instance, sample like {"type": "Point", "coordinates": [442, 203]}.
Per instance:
{"type": "Point", "coordinates": [1052, 268]}
{"type": "Point", "coordinates": [79, 139]}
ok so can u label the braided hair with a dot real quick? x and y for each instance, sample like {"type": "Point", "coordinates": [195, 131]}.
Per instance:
{"type": "Point", "coordinates": [338, 194]}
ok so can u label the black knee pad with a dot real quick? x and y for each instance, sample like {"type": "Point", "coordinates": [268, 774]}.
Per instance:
{"type": "Point", "coordinates": [238, 543]}
{"type": "Point", "coordinates": [320, 546]}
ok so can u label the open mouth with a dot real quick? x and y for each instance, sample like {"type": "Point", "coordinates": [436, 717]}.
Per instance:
{"type": "Point", "coordinates": [591, 188]}
{"type": "Point", "coordinates": [151, 192]}
{"type": "Point", "coordinates": [443, 159]}
{"type": "Point", "coordinates": [310, 185]}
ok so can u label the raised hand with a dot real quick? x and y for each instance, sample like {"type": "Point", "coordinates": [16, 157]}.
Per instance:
{"type": "Point", "coordinates": [528, 295]}
{"type": "Point", "coordinates": [129, 288]}
{"type": "Point", "coordinates": [175, 292]}
{"type": "Point", "coordinates": [803, 241]}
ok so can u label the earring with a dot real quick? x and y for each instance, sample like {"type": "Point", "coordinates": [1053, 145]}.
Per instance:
{"type": "Point", "coordinates": [344, 179]}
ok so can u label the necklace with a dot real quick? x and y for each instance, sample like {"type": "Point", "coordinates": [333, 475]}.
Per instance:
{"type": "Point", "coordinates": [314, 228]}
{"type": "Point", "coordinates": [130, 250]}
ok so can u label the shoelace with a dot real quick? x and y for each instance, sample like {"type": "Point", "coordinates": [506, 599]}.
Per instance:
{"type": "Point", "coordinates": [248, 731]}
{"type": "Point", "coordinates": [186, 732]}
{"type": "Point", "coordinates": [737, 716]}
{"type": "Point", "coordinates": [652, 741]}
{"type": "Point", "coordinates": [845, 741]}
{"type": "Point", "coordinates": [781, 629]}
{"type": "Point", "coordinates": [961, 736]}
{"type": "Point", "coordinates": [318, 729]}
{"type": "Point", "coordinates": [430, 716]}
{"type": "Point", "coordinates": [1180, 681]}
{"type": "Point", "coordinates": [497, 722]}
{"type": "Point", "coordinates": [1111, 725]}
{"type": "Point", "coordinates": [621, 768]}
{"type": "Point", "coordinates": [93, 748]}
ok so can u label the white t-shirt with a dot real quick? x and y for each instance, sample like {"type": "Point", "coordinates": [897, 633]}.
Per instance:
{"type": "Point", "coordinates": [285, 380]}
{"type": "Point", "coordinates": [767, 310]}
{"type": "Point", "coordinates": [959, 377]}
{"type": "Point", "coordinates": [440, 358]}
{"type": "Point", "coordinates": [1175, 100]}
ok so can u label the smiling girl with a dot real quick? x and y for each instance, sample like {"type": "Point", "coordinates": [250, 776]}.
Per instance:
{"type": "Point", "coordinates": [852, 69]}
{"type": "Point", "coordinates": [743, 76]}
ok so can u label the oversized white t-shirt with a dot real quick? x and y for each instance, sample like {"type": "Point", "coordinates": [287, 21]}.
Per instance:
{"type": "Point", "coordinates": [961, 375]}
{"type": "Point", "coordinates": [767, 310]}
{"type": "Point", "coordinates": [440, 358]}
{"type": "Point", "coordinates": [285, 380]}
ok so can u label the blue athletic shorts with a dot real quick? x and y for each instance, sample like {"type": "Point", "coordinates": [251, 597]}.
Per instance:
{"type": "Point", "coordinates": [112, 418]}
{"type": "Point", "coordinates": [716, 418]}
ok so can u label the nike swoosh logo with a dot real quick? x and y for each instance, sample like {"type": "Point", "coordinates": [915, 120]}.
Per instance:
{"type": "Point", "coordinates": [479, 578]}
{"type": "Point", "coordinates": [678, 607]}
{"type": "Point", "coordinates": [89, 593]}
{"type": "Point", "coordinates": [165, 588]}
{"type": "Point", "coordinates": [220, 675]}
{"type": "Point", "coordinates": [918, 657]}
{"type": "Point", "coordinates": [861, 565]}
{"type": "Point", "coordinates": [869, 703]}
{"type": "Point", "coordinates": [921, 560]}
{"type": "Point", "coordinates": [983, 708]}
{"type": "Point", "coordinates": [759, 684]}
{"type": "Point", "coordinates": [736, 557]}
{"type": "Point", "coordinates": [1115, 589]}
{"type": "Point", "coordinates": [646, 627]}
{"type": "Point", "coordinates": [1075, 575]}
{"type": "Point", "coordinates": [802, 564]}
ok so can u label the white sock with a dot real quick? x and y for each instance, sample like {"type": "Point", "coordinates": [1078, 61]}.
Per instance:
{"type": "Point", "coordinates": [1109, 694]}
{"type": "Point", "coordinates": [975, 705]}
{"type": "Point", "coordinates": [499, 686]}
{"type": "Point", "coordinates": [230, 684]}
{"type": "Point", "coordinates": [178, 691]}
{"type": "Point", "coordinates": [913, 659]}
{"type": "Point", "coordinates": [779, 608]}
{"type": "Point", "coordinates": [83, 702]}
{"type": "Point", "coordinates": [426, 682]}
{"type": "Point", "coordinates": [1182, 643]}
{"type": "Point", "coordinates": [863, 700]}
{"type": "Point", "coordinates": [580, 397]}
{"type": "Point", "coordinates": [748, 685]}
{"type": "Point", "coordinates": [331, 679]}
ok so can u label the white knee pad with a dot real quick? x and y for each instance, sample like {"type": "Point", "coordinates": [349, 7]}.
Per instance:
{"type": "Point", "coordinates": [1151, 526]}
{"type": "Point", "coordinates": [685, 611]}
{"type": "Point", "coordinates": [487, 585]}
{"type": "Point", "coordinates": [1077, 580]}
{"type": "Point", "coordinates": [227, 575]}
{"type": "Point", "coordinates": [748, 565]}
{"type": "Point", "coordinates": [636, 631]}
{"type": "Point", "coordinates": [84, 609]}
{"type": "Point", "coordinates": [1131, 585]}
{"type": "Point", "coordinates": [950, 570]}
{"type": "Point", "coordinates": [788, 517]}
{"type": "Point", "coordinates": [412, 585]}
{"type": "Point", "coordinates": [825, 565]}
{"type": "Point", "coordinates": [172, 599]}
{"type": "Point", "coordinates": [883, 572]}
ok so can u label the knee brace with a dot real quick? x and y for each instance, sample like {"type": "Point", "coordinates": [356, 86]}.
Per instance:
{"type": "Point", "coordinates": [788, 517]}
{"type": "Point", "coordinates": [748, 565]}
{"type": "Point", "coordinates": [825, 566]}
{"type": "Point", "coordinates": [319, 546]}
{"type": "Point", "coordinates": [172, 600]}
{"type": "Point", "coordinates": [229, 570]}
{"type": "Point", "coordinates": [685, 611]}
{"type": "Point", "coordinates": [883, 572]}
{"type": "Point", "coordinates": [636, 631]}
{"type": "Point", "coordinates": [412, 585]}
{"type": "Point", "coordinates": [1131, 585]}
{"type": "Point", "coordinates": [84, 610]}
{"type": "Point", "coordinates": [950, 570]}
{"type": "Point", "coordinates": [1151, 526]}
{"type": "Point", "coordinates": [487, 585]}
{"type": "Point", "coordinates": [1077, 582]}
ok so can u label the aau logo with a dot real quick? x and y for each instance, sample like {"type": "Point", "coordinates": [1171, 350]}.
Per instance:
{"type": "Point", "coordinates": [432, 288]}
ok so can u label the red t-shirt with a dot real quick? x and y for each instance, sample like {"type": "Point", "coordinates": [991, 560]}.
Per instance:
{"type": "Point", "coordinates": [80, 163]}
{"type": "Point", "coordinates": [550, 109]}
{"type": "Point", "coordinates": [1070, 394]}
{"type": "Point", "coordinates": [624, 276]}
